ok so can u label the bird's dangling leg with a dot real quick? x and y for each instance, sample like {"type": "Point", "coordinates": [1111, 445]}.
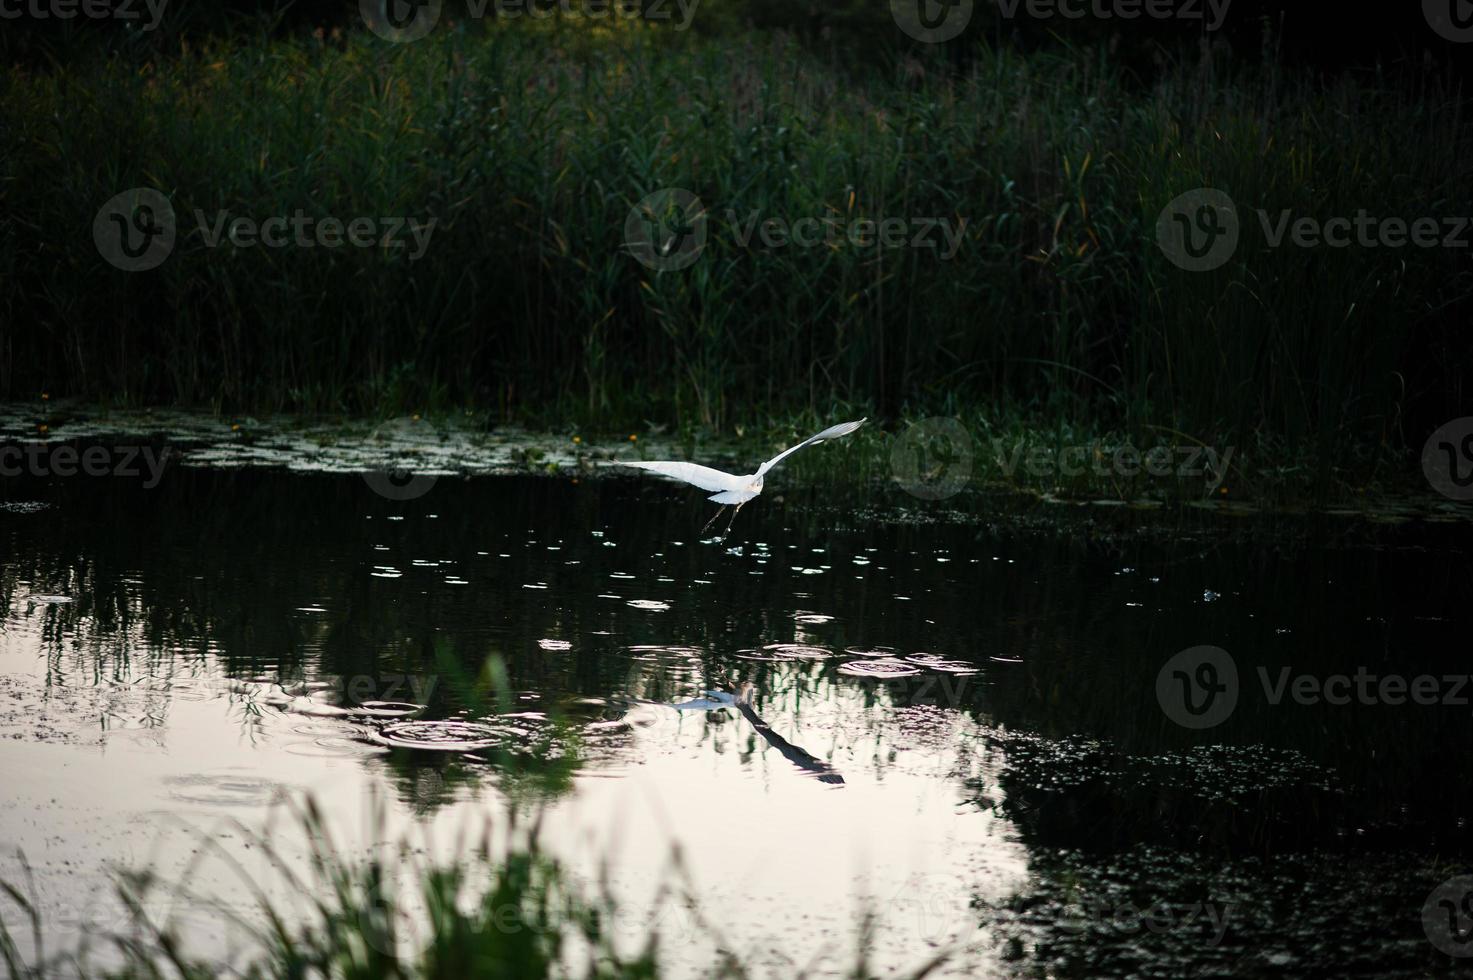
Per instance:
{"type": "Point", "coordinates": [713, 518]}
{"type": "Point", "coordinates": [734, 512]}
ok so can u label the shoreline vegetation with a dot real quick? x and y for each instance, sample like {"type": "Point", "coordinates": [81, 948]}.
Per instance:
{"type": "Point", "coordinates": [944, 462]}
{"type": "Point", "coordinates": [529, 143]}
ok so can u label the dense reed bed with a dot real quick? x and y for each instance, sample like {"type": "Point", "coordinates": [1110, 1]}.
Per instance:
{"type": "Point", "coordinates": [529, 144]}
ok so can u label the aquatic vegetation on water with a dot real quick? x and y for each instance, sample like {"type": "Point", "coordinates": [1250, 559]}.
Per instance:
{"type": "Point", "coordinates": [440, 736]}
{"type": "Point", "coordinates": [387, 709]}
{"type": "Point", "coordinates": [1085, 793]}
{"type": "Point", "coordinates": [1155, 912]}
{"type": "Point", "coordinates": [879, 668]}
{"type": "Point", "coordinates": [877, 652]}
{"type": "Point", "coordinates": [932, 661]}
{"type": "Point", "coordinates": [797, 651]}
{"type": "Point", "coordinates": [22, 506]}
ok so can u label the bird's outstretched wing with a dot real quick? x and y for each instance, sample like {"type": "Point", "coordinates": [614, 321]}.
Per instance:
{"type": "Point", "coordinates": [832, 432]}
{"type": "Point", "coordinates": [693, 473]}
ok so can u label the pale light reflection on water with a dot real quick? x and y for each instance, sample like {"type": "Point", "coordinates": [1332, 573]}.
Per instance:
{"type": "Point", "coordinates": [940, 714]}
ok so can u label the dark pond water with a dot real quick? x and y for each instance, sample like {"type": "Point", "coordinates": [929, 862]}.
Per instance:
{"type": "Point", "coordinates": [966, 721]}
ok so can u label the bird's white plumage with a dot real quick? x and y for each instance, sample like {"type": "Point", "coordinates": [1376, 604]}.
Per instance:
{"type": "Point", "coordinates": [730, 488]}
{"type": "Point", "coordinates": [733, 496]}
{"type": "Point", "coordinates": [832, 432]}
{"type": "Point", "coordinates": [693, 473]}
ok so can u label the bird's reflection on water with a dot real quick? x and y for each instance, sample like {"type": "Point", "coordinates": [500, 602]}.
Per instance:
{"type": "Point", "coordinates": [742, 702]}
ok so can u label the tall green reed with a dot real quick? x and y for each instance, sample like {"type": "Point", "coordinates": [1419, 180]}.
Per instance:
{"type": "Point", "coordinates": [530, 144]}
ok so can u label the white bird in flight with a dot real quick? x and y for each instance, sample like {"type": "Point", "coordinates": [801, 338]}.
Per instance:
{"type": "Point", "coordinates": [733, 490]}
